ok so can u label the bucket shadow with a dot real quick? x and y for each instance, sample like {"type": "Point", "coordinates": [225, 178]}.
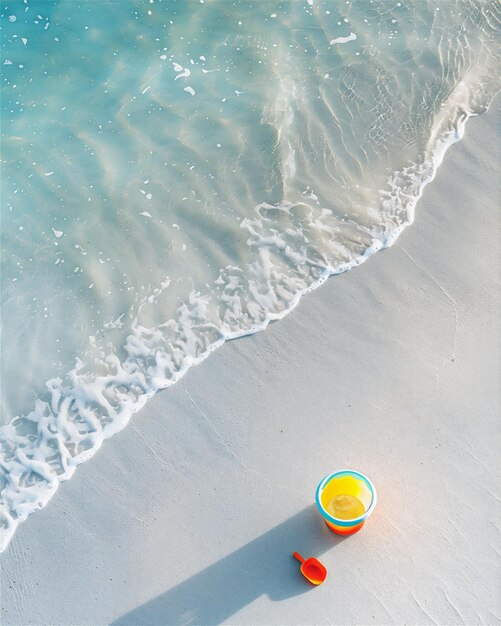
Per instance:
{"type": "Point", "coordinates": [263, 566]}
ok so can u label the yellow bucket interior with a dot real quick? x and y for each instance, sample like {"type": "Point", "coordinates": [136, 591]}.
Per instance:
{"type": "Point", "coordinates": [346, 485]}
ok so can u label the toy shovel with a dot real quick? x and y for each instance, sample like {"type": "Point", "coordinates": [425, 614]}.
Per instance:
{"type": "Point", "coordinates": [311, 569]}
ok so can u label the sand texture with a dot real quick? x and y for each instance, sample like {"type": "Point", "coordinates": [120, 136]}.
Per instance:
{"type": "Point", "coordinates": [190, 514]}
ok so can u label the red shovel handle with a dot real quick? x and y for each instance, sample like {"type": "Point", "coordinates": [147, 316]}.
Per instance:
{"type": "Point", "coordinates": [297, 556]}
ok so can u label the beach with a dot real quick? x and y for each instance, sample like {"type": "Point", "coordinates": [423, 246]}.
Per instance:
{"type": "Point", "coordinates": [191, 513]}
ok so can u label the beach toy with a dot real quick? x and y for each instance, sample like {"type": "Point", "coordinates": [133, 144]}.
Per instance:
{"type": "Point", "coordinates": [312, 569]}
{"type": "Point", "coordinates": [346, 499]}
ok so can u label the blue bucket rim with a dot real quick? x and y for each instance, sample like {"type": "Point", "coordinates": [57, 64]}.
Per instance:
{"type": "Point", "coordinates": [335, 520]}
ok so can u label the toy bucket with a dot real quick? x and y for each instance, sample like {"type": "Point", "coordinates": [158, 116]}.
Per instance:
{"type": "Point", "coordinates": [346, 483]}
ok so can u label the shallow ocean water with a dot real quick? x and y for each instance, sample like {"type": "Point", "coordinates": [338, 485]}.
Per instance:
{"type": "Point", "coordinates": [179, 173]}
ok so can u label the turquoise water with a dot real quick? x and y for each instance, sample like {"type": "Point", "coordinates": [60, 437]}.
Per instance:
{"type": "Point", "coordinates": [179, 173]}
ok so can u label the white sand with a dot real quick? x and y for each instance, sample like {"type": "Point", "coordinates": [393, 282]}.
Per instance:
{"type": "Point", "coordinates": [190, 514]}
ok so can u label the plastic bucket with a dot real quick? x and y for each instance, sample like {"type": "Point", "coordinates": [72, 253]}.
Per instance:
{"type": "Point", "coordinates": [351, 483]}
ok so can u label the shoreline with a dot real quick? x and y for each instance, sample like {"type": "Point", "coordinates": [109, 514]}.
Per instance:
{"type": "Point", "coordinates": [430, 330]}
{"type": "Point", "coordinates": [43, 492]}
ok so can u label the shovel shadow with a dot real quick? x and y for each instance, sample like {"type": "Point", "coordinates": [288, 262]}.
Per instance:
{"type": "Point", "coordinates": [262, 566]}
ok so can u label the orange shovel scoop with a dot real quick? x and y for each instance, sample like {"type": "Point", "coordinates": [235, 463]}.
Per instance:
{"type": "Point", "coordinates": [311, 569]}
